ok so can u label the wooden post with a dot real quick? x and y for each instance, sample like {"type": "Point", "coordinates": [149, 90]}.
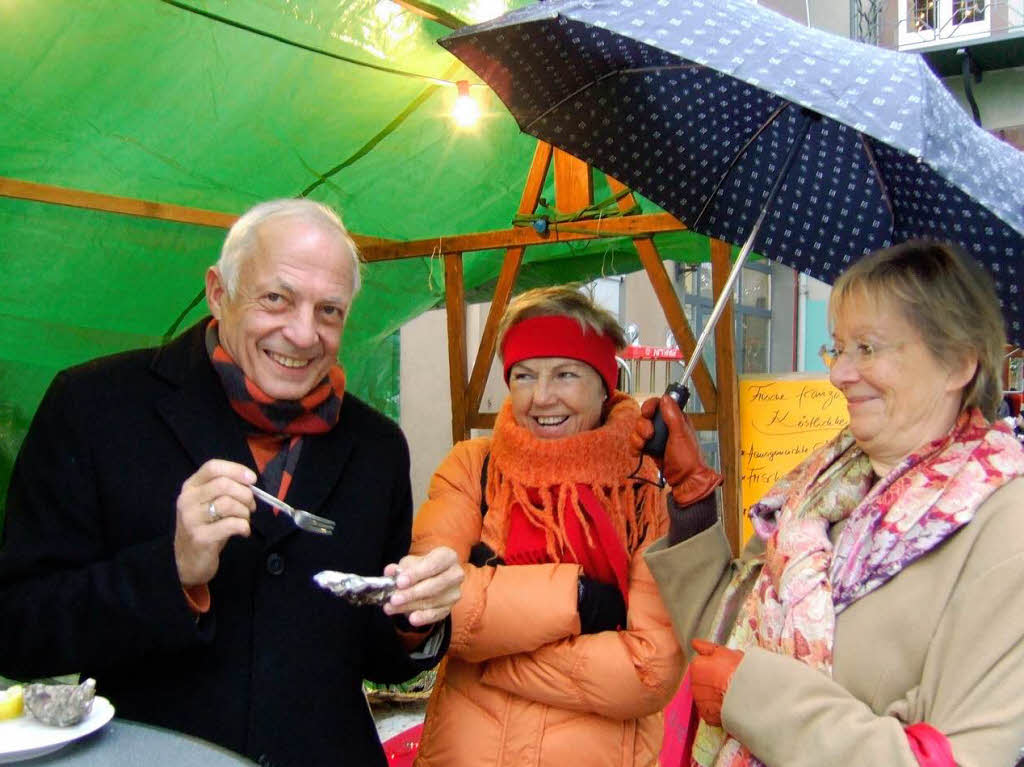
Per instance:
{"type": "Point", "coordinates": [574, 186]}
{"type": "Point", "coordinates": [666, 293]}
{"type": "Point", "coordinates": [728, 399]}
{"type": "Point", "coordinates": [455, 309]}
{"type": "Point", "coordinates": [506, 283]}
{"type": "Point", "coordinates": [669, 300]}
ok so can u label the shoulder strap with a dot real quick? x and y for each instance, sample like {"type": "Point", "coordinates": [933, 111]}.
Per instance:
{"type": "Point", "coordinates": [483, 487]}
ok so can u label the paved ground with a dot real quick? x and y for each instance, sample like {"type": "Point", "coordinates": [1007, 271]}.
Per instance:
{"type": "Point", "coordinates": [392, 719]}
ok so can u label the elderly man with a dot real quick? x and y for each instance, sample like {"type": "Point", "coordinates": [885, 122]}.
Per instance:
{"type": "Point", "coordinates": [135, 552]}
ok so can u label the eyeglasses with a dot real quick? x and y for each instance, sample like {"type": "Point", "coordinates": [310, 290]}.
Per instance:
{"type": "Point", "coordinates": [862, 355]}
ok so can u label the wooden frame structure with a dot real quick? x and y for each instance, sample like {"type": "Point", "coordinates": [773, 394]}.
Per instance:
{"type": "Point", "coordinates": [573, 192]}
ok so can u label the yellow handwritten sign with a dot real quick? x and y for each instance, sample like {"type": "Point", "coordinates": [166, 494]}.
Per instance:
{"type": "Point", "coordinates": [782, 419]}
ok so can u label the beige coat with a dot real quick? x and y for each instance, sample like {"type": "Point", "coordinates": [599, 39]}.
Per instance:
{"type": "Point", "coordinates": [942, 642]}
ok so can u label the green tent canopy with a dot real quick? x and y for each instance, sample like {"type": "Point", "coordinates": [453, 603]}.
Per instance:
{"type": "Point", "coordinates": [217, 105]}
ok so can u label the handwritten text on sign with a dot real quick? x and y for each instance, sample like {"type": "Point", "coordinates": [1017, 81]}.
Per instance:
{"type": "Point", "coordinates": [782, 419]}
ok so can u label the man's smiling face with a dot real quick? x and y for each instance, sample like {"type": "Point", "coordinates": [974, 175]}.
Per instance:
{"type": "Point", "coordinates": [283, 325]}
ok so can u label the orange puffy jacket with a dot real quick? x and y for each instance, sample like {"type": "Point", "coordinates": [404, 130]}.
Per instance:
{"type": "Point", "coordinates": [520, 685]}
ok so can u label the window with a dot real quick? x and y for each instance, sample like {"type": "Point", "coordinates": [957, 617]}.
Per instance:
{"type": "Point", "coordinates": [752, 309]}
{"type": "Point", "coordinates": [696, 281]}
{"type": "Point", "coordinates": [923, 17]}
{"type": "Point", "coordinates": [925, 22]}
{"type": "Point", "coordinates": [968, 11]}
{"type": "Point", "coordinates": [755, 332]}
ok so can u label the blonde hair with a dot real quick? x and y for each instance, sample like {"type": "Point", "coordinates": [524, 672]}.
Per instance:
{"type": "Point", "coordinates": [948, 298]}
{"type": "Point", "coordinates": [562, 301]}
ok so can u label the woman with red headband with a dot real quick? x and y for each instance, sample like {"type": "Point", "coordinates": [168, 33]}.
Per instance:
{"type": "Point", "coordinates": [562, 652]}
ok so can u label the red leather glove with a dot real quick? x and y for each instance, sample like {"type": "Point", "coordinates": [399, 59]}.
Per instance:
{"type": "Point", "coordinates": [710, 672]}
{"type": "Point", "coordinates": [683, 465]}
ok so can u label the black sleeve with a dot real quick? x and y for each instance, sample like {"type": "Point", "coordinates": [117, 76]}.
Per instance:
{"type": "Point", "coordinates": [68, 599]}
{"type": "Point", "coordinates": [388, 661]}
{"type": "Point", "coordinates": [687, 521]}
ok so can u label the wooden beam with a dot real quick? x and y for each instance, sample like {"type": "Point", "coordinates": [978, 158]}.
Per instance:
{"type": "Point", "coordinates": [522, 236]}
{"type": "Point", "coordinates": [455, 304]}
{"type": "Point", "coordinates": [489, 338]}
{"type": "Point", "coordinates": [130, 206]}
{"type": "Point", "coordinates": [669, 300]}
{"type": "Point", "coordinates": [574, 186]}
{"type": "Point", "coordinates": [728, 399]}
{"type": "Point", "coordinates": [506, 279]}
{"type": "Point", "coordinates": [539, 166]}
{"type": "Point", "coordinates": [666, 293]}
{"type": "Point", "coordinates": [108, 203]}
{"type": "Point", "coordinates": [432, 12]}
{"type": "Point", "coordinates": [482, 420]}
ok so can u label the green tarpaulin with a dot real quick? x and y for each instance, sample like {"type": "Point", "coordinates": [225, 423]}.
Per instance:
{"type": "Point", "coordinates": [215, 104]}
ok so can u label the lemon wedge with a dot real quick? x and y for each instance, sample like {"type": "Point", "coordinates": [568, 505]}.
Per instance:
{"type": "Point", "coordinates": [12, 703]}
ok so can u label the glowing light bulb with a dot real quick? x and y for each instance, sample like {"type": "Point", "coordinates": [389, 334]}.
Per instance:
{"type": "Point", "coordinates": [466, 111]}
{"type": "Point", "coordinates": [387, 10]}
{"type": "Point", "coordinates": [485, 10]}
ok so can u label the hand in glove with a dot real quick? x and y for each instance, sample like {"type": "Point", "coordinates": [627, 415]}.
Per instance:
{"type": "Point", "coordinates": [683, 465]}
{"type": "Point", "coordinates": [483, 555]}
{"type": "Point", "coordinates": [600, 605]}
{"type": "Point", "coordinates": [710, 672]}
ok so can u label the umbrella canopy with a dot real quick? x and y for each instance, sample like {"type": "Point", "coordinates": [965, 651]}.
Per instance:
{"type": "Point", "coordinates": [696, 105]}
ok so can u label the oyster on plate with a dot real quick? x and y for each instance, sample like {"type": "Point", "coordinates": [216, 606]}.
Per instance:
{"type": "Point", "coordinates": [60, 705]}
{"type": "Point", "coordinates": [356, 589]}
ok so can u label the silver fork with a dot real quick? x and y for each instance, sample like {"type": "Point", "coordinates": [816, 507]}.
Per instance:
{"type": "Point", "coordinates": [311, 523]}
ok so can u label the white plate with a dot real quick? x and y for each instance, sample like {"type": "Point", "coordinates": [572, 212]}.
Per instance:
{"type": "Point", "coordinates": [25, 738]}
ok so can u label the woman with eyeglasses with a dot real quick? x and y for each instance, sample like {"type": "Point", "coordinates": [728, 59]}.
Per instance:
{"type": "Point", "coordinates": [877, 616]}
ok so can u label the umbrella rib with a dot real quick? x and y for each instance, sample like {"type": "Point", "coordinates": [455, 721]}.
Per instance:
{"type": "Point", "coordinates": [605, 76]}
{"type": "Point", "coordinates": [741, 258]}
{"type": "Point", "coordinates": [757, 134]}
{"type": "Point", "coordinates": [878, 175]}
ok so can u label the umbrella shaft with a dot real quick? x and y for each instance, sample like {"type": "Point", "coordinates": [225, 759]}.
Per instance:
{"type": "Point", "coordinates": [741, 259]}
{"type": "Point", "coordinates": [722, 300]}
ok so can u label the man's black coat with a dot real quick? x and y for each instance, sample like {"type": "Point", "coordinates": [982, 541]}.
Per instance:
{"type": "Point", "coordinates": [88, 581]}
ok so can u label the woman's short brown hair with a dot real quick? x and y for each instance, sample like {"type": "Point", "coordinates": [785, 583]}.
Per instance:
{"type": "Point", "coordinates": [948, 298]}
{"type": "Point", "coordinates": [564, 301]}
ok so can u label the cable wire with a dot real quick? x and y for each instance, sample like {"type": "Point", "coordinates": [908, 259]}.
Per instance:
{"type": "Point", "coordinates": [303, 46]}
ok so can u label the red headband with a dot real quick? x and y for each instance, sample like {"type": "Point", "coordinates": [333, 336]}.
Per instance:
{"type": "Point", "coordinates": [560, 336]}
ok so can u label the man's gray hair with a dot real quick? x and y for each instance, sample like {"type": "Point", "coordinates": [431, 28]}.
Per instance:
{"type": "Point", "coordinates": [242, 234]}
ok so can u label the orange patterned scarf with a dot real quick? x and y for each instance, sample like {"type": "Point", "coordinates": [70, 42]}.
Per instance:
{"type": "Point", "coordinates": [278, 425]}
{"type": "Point", "coordinates": [544, 479]}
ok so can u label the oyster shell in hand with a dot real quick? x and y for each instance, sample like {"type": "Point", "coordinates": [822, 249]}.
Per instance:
{"type": "Point", "coordinates": [60, 705]}
{"type": "Point", "coordinates": [356, 589]}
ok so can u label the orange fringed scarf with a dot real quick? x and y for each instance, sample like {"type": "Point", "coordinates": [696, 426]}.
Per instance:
{"type": "Point", "coordinates": [542, 477]}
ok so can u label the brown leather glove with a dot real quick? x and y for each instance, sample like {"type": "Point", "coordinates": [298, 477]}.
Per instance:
{"type": "Point", "coordinates": [710, 672]}
{"type": "Point", "coordinates": [682, 465]}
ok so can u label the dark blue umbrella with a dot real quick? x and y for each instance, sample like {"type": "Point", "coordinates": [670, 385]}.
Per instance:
{"type": "Point", "coordinates": [703, 106]}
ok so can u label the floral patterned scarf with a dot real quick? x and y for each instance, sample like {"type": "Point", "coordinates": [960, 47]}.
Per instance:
{"type": "Point", "coordinates": [800, 583]}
